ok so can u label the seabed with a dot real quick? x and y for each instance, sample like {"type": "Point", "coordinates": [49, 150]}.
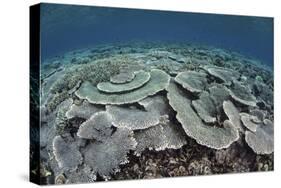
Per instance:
{"type": "Point", "coordinates": [151, 110]}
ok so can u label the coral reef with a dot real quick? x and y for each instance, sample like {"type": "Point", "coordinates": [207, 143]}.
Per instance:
{"type": "Point", "coordinates": [97, 127]}
{"type": "Point", "coordinates": [141, 78]}
{"type": "Point", "coordinates": [132, 119]}
{"type": "Point", "coordinates": [122, 78]}
{"type": "Point", "coordinates": [205, 108]}
{"type": "Point", "coordinates": [242, 94]}
{"type": "Point", "coordinates": [195, 82]}
{"type": "Point", "coordinates": [262, 139]}
{"type": "Point", "coordinates": [144, 110]}
{"type": "Point", "coordinates": [213, 137]}
{"type": "Point", "coordinates": [158, 81]}
{"type": "Point", "coordinates": [232, 114]}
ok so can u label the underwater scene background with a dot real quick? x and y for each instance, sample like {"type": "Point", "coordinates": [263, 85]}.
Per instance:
{"type": "Point", "coordinates": [66, 27]}
{"type": "Point", "coordinates": [138, 94]}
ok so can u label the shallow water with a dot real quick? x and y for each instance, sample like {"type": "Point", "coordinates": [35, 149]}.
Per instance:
{"type": "Point", "coordinates": [155, 92]}
{"type": "Point", "coordinates": [66, 27]}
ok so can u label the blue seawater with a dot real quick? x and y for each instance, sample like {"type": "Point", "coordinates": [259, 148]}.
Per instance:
{"type": "Point", "coordinates": [68, 27]}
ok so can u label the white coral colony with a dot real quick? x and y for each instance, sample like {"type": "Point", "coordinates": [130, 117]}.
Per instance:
{"type": "Point", "coordinates": [158, 81]}
{"type": "Point", "coordinates": [194, 127]}
{"type": "Point", "coordinates": [261, 141]}
{"type": "Point", "coordinates": [142, 106]}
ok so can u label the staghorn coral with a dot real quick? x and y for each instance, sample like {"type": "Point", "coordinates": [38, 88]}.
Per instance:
{"type": "Point", "coordinates": [159, 81]}
{"type": "Point", "coordinates": [140, 79]}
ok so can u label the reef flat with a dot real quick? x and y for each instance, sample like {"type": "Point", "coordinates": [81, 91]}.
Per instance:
{"type": "Point", "coordinates": [151, 110]}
